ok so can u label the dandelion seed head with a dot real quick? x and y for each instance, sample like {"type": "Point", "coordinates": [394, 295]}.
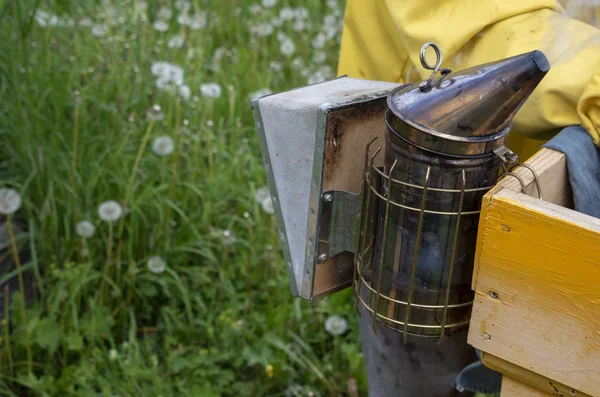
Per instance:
{"type": "Point", "coordinates": [182, 5]}
{"type": "Point", "coordinates": [299, 25]}
{"type": "Point", "coordinates": [110, 211]}
{"type": "Point", "coordinates": [163, 145]}
{"type": "Point", "coordinates": [269, 3]}
{"type": "Point", "coordinates": [211, 90]}
{"type": "Point", "coordinates": [298, 63]}
{"type": "Point", "coordinates": [261, 194]}
{"type": "Point", "coordinates": [227, 237]}
{"type": "Point", "coordinates": [255, 9]}
{"type": "Point", "coordinates": [85, 22]}
{"type": "Point", "coordinates": [246, 215]}
{"type": "Point", "coordinates": [113, 354]}
{"type": "Point", "coordinates": [287, 47]}
{"type": "Point", "coordinates": [99, 30]}
{"type": "Point", "coordinates": [85, 229]}
{"type": "Point", "coordinates": [10, 201]}
{"type": "Point", "coordinates": [142, 5]}
{"type": "Point", "coordinates": [277, 22]}
{"type": "Point", "coordinates": [275, 66]}
{"type": "Point", "coordinates": [184, 91]}
{"type": "Point", "coordinates": [267, 205]}
{"type": "Point", "coordinates": [156, 265]}
{"type": "Point", "coordinates": [319, 41]}
{"type": "Point", "coordinates": [320, 57]}
{"type": "Point", "coordinates": [165, 13]}
{"type": "Point", "coordinates": [262, 30]}
{"type": "Point", "coordinates": [175, 42]}
{"type": "Point", "coordinates": [287, 14]}
{"type": "Point", "coordinates": [161, 26]}
{"type": "Point", "coordinates": [336, 325]}
{"type": "Point", "coordinates": [300, 13]}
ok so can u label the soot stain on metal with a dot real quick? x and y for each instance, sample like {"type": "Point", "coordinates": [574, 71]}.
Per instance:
{"type": "Point", "coordinates": [338, 122]}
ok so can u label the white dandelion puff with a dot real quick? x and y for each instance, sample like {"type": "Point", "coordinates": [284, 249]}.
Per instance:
{"type": "Point", "coordinates": [85, 229]}
{"type": "Point", "coordinates": [267, 205]}
{"type": "Point", "coordinates": [227, 237]}
{"type": "Point", "coordinates": [161, 26]}
{"type": "Point", "coordinates": [165, 13]}
{"type": "Point", "coordinates": [163, 145]}
{"type": "Point", "coordinates": [287, 47]}
{"type": "Point", "coordinates": [255, 9]}
{"type": "Point", "coordinates": [300, 13]}
{"type": "Point", "coordinates": [260, 93]}
{"type": "Point", "coordinates": [182, 5]}
{"type": "Point", "coordinates": [99, 30]}
{"type": "Point", "coordinates": [211, 90]}
{"type": "Point", "coordinates": [277, 22]}
{"type": "Point", "coordinates": [10, 201]}
{"type": "Point", "coordinates": [320, 57]}
{"type": "Point", "coordinates": [156, 265]}
{"type": "Point", "coordinates": [184, 91]}
{"type": "Point", "coordinates": [333, 4]}
{"type": "Point", "coordinates": [110, 211]}
{"type": "Point", "coordinates": [197, 21]}
{"type": "Point", "coordinates": [86, 22]}
{"type": "Point", "coordinates": [336, 325]}
{"type": "Point", "coordinates": [175, 42]}
{"type": "Point", "coordinates": [298, 63]}
{"type": "Point", "coordinates": [319, 41]}
{"type": "Point", "coordinates": [262, 30]}
{"type": "Point", "coordinates": [269, 3]}
{"type": "Point", "coordinates": [142, 5]}
{"type": "Point", "coordinates": [159, 68]}
{"type": "Point", "coordinates": [275, 66]}
{"type": "Point", "coordinates": [113, 354]}
{"type": "Point", "coordinates": [261, 194]}
{"type": "Point", "coordinates": [287, 14]}
{"type": "Point", "coordinates": [155, 113]}
{"type": "Point", "coordinates": [299, 25]}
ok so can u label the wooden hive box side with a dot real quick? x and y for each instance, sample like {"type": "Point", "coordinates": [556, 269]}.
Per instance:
{"type": "Point", "coordinates": [537, 280]}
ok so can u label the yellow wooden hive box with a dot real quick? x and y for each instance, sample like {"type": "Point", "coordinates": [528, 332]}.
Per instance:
{"type": "Point", "coordinates": [536, 315]}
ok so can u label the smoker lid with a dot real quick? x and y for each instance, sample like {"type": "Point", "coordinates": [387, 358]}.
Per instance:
{"type": "Point", "coordinates": [468, 107]}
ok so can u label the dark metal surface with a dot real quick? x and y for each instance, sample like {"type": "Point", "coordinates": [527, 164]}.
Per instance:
{"type": "Point", "coordinates": [468, 112]}
{"type": "Point", "coordinates": [440, 242]}
{"type": "Point", "coordinates": [419, 368]}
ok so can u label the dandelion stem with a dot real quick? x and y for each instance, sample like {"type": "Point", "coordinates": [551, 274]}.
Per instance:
{"type": "Point", "coordinates": [7, 331]}
{"type": "Point", "coordinates": [74, 159]}
{"type": "Point", "coordinates": [175, 167]}
{"type": "Point", "coordinates": [107, 265]}
{"type": "Point", "coordinates": [15, 253]}
{"type": "Point", "coordinates": [129, 188]}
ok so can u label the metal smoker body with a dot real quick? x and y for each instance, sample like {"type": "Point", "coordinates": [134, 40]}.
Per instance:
{"type": "Point", "coordinates": [443, 149]}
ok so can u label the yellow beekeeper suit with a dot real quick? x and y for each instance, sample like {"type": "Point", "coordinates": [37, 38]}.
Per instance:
{"type": "Point", "coordinates": [382, 39]}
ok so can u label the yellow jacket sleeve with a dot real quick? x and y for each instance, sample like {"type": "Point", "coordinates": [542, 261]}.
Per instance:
{"type": "Point", "coordinates": [472, 32]}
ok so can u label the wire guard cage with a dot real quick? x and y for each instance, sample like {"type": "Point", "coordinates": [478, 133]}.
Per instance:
{"type": "Point", "coordinates": [416, 245]}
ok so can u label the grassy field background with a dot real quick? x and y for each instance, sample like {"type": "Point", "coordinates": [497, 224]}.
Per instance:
{"type": "Point", "coordinates": [176, 287]}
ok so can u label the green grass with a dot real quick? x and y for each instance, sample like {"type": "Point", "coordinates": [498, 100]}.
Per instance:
{"type": "Point", "coordinates": [75, 133]}
{"type": "Point", "coordinates": [73, 122]}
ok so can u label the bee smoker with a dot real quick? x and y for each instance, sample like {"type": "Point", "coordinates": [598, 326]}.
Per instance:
{"type": "Point", "coordinates": [443, 150]}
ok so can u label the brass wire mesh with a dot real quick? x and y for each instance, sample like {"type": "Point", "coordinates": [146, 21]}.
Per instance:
{"type": "Point", "coordinates": [374, 179]}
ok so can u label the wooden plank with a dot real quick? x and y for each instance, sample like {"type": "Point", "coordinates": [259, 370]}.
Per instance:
{"type": "Point", "coordinates": [543, 261]}
{"type": "Point", "coordinates": [514, 388]}
{"type": "Point", "coordinates": [551, 169]}
{"type": "Point", "coordinates": [528, 383]}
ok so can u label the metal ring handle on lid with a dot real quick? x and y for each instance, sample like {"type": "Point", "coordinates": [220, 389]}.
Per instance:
{"type": "Point", "coordinates": [437, 67]}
